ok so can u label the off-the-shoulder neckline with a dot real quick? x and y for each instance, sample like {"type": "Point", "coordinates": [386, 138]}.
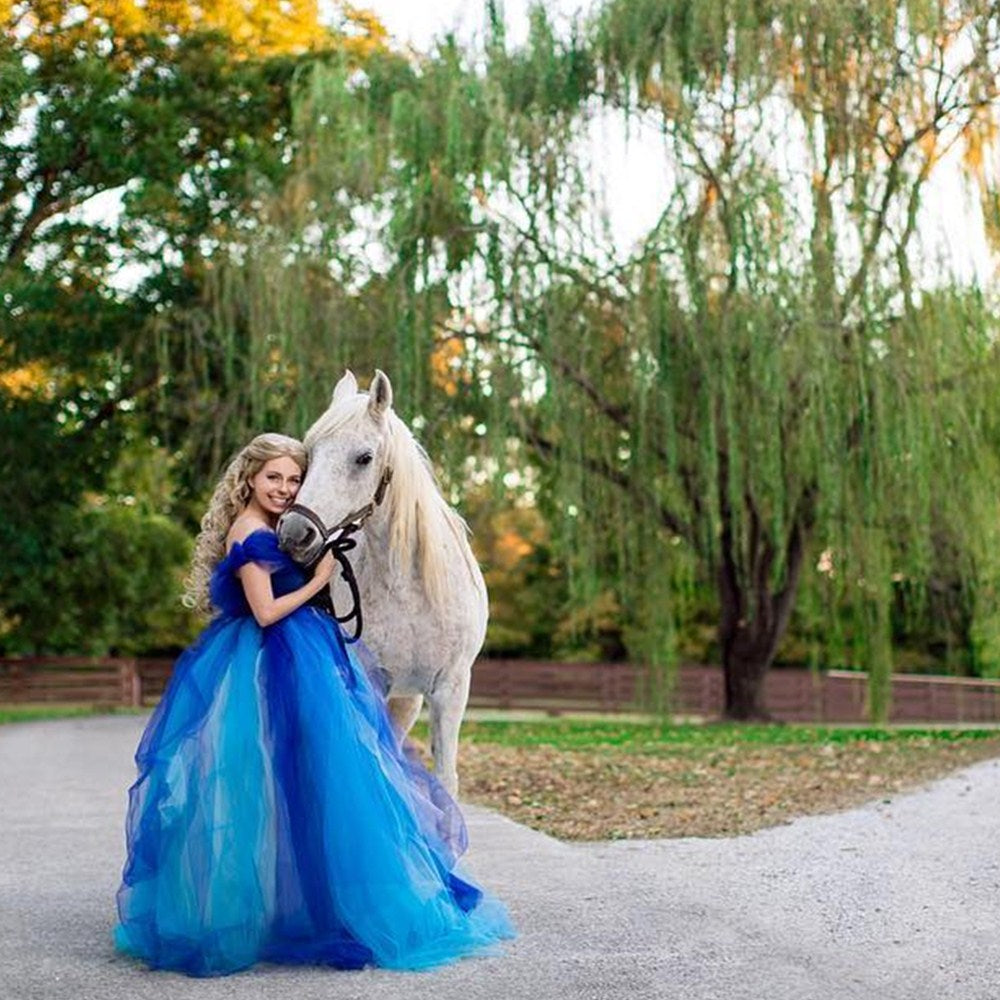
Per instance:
{"type": "Point", "coordinates": [246, 538]}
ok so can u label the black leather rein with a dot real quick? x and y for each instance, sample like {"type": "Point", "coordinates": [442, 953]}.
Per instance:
{"type": "Point", "coordinates": [338, 541]}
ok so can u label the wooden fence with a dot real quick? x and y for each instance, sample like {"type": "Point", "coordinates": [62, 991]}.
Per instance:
{"type": "Point", "coordinates": [793, 695]}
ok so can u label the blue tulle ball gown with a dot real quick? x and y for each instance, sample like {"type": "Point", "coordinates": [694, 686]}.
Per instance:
{"type": "Point", "coordinates": [278, 817]}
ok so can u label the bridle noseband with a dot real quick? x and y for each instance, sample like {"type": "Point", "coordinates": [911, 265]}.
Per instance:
{"type": "Point", "coordinates": [338, 541]}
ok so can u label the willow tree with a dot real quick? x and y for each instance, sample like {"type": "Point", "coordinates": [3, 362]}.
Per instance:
{"type": "Point", "coordinates": [835, 395]}
{"type": "Point", "coordinates": [780, 374]}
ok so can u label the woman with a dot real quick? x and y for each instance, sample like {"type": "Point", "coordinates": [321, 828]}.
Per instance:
{"type": "Point", "coordinates": [276, 816]}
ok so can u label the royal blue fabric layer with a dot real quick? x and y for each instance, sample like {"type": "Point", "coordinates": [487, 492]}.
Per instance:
{"type": "Point", "coordinates": [278, 817]}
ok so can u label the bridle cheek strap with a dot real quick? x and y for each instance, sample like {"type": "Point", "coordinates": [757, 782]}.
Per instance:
{"type": "Point", "coordinates": [338, 541]}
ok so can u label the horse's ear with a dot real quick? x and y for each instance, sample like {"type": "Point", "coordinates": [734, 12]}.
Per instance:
{"type": "Point", "coordinates": [347, 386]}
{"type": "Point", "coordinates": [379, 394]}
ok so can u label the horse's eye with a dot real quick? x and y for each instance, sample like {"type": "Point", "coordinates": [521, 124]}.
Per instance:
{"type": "Point", "coordinates": [364, 458]}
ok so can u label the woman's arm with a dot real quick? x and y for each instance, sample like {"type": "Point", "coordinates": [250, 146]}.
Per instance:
{"type": "Point", "coordinates": [267, 608]}
{"type": "Point", "coordinates": [256, 580]}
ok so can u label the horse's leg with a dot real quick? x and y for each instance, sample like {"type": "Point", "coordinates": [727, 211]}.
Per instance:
{"type": "Point", "coordinates": [404, 709]}
{"type": "Point", "coordinates": [447, 703]}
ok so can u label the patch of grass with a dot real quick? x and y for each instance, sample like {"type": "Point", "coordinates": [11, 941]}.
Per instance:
{"type": "Point", "coordinates": [60, 710]}
{"type": "Point", "coordinates": [652, 737]}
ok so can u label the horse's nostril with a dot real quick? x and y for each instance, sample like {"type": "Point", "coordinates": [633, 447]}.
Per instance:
{"type": "Point", "coordinates": [294, 530]}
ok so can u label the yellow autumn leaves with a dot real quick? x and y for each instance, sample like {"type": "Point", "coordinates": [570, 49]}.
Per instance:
{"type": "Point", "coordinates": [257, 27]}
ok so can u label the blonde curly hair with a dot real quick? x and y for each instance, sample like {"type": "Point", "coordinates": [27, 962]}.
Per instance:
{"type": "Point", "coordinates": [229, 500]}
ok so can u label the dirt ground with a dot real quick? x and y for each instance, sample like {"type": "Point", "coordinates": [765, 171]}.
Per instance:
{"type": "Point", "coordinates": [698, 792]}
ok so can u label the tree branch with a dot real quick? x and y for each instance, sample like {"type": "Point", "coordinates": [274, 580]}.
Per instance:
{"type": "Point", "coordinates": [548, 448]}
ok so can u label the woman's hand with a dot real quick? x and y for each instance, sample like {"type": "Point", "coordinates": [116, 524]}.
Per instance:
{"type": "Point", "coordinates": [267, 608]}
{"type": "Point", "coordinates": [324, 568]}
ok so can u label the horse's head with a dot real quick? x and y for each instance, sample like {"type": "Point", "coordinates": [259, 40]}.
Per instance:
{"type": "Point", "coordinates": [348, 465]}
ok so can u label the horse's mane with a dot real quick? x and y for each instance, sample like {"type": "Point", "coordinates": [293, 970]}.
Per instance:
{"type": "Point", "coordinates": [420, 519]}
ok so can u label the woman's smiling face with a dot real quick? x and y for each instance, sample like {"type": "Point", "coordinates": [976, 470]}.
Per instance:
{"type": "Point", "coordinates": [275, 485]}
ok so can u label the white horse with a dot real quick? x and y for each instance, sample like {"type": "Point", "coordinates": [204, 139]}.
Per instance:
{"type": "Point", "coordinates": [422, 593]}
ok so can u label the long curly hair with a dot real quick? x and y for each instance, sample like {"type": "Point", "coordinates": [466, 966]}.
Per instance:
{"type": "Point", "coordinates": [229, 500]}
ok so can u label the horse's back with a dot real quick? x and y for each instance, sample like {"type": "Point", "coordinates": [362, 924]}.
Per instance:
{"type": "Point", "coordinates": [423, 637]}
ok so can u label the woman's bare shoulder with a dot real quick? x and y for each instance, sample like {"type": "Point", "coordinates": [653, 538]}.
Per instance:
{"type": "Point", "coordinates": [244, 526]}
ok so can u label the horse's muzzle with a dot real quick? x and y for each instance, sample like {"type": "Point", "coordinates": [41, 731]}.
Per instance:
{"type": "Point", "coordinates": [298, 537]}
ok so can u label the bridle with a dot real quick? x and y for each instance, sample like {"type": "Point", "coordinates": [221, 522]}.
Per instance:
{"type": "Point", "coordinates": [337, 540]}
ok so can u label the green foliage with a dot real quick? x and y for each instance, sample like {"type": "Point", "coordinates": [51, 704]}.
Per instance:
{"type": "Point", "coordinates": [109, 583]}
{"type": "Point", "coordinates": [744, 393]}
{"type": "Point", "coordinates": [775, 379]}
{"type": "Point", "coordinates": [33, 713]}
{"type": "Point", "coordinates": [183, 131]}
{"type": "Point", "coordinates": [654, 737]}
{"type": "Point", "coordinates": [751, 390]}
{"type": "Point", "coordinates": [527, 590]}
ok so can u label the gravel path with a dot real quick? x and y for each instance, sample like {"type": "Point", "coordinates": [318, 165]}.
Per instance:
{"type": "Point", "coordinates": [898, 899]}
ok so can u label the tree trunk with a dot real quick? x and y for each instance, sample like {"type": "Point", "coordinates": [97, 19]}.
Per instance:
{"type": "Point", "coordinates": [753, 615]}
{"type": "Point", "coordinates": [745, 662]}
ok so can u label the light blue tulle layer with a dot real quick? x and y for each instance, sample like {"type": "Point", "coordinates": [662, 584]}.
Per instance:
{"type": "Point", "coordinates": [277, 818]}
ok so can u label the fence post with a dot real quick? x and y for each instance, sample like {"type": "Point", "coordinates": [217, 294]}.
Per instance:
{"type": "Point", "coordinates": [131, 683]}
{"type": "Point", "coordinates": [20, 686]}
{"type": "Point", "coordinates": [505, 684]}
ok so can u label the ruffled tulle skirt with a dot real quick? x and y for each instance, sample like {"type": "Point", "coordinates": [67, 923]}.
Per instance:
{"type": "Point", "coordinates": [276, 817]}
